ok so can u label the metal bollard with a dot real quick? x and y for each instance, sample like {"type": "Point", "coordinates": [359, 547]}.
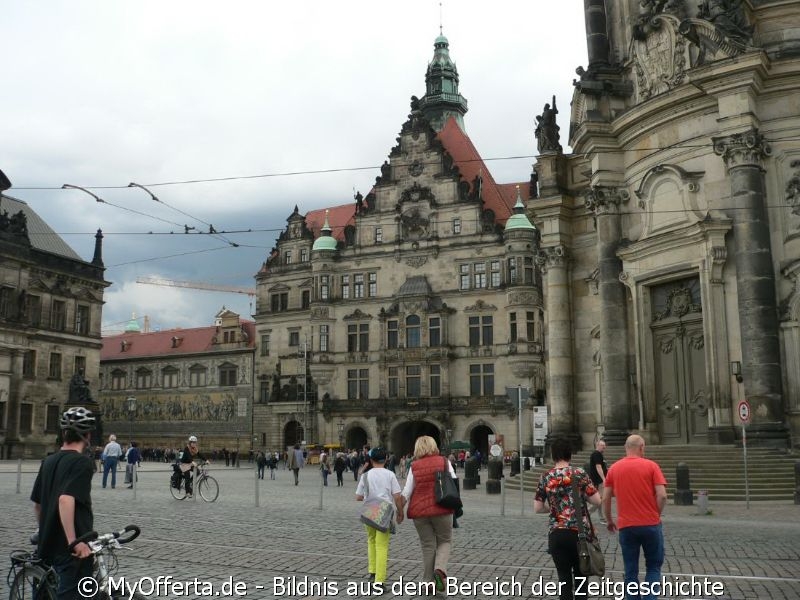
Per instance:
{"type": "Point", "coordinates": [702, 502]}
{"type": "Point", "coordinates": [683, 491]}
{"type": "Point", "coordinates": [797, 482]}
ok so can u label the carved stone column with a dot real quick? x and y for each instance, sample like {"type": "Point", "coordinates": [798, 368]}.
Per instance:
{"type": "Point", "coordinates": [554, 262]}
{"type": "Point", "coordinates": [596, 32]}
{"type": "Point", "coordinates": [605, 203]}
{"type": "Point", "coordinates": [743, 154]}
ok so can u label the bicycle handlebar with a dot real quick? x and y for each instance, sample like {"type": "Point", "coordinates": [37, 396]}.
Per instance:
{"type": "Point", "coordinates": [107, 537]}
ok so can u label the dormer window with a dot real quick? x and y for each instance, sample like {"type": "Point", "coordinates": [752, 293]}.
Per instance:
{"type": "Point", "coordinates": [124, 345]}
{"type": "Point", "coordinates": [176, 341]}
{"type": "Point", "coordinates": [287, 257]}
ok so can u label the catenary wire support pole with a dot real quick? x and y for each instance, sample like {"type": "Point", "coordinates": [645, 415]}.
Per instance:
{"type": "Point", "coordinates": [503, 497]}
{"type": "Point", "coordinates": [746, 481]}
{"type": "Point", "coordinates": [257, 486]}
{"type": "Point", "coordinates": [19, 475]}
{"type": "Point", "coordinates": [321, 488]}
{"type": "Point", "coordinates": [135, 476]}
{"type": "Point", "coordinates": [521, 470]}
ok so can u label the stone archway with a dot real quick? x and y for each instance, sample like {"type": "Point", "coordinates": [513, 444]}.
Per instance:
{"type": "Point", "coordinates": [479, 439]}
{"type": "Point", "coordinates": [293, 433]}
{"type": "Point", "coordinates": [355, 438]}
{"type": "Point", "coordinates": [405, 434]}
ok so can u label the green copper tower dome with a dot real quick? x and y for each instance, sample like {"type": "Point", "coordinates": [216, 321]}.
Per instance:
{"type": "Point", "coordinates": [518, 221]}
{"type": "Point", "coordinates": [442, 100]}
{"type": "Point", "coordinates": [325, 241]}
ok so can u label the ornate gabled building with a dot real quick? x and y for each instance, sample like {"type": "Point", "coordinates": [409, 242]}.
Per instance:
{"type": "Point", "coordinates": [674, 229]}
{"type": "Point", "coordinates": [161, 387]}
{"type": "Point", "coordinates": [50, 312]}
{"type": "Point", "coordinates": [409, 310]}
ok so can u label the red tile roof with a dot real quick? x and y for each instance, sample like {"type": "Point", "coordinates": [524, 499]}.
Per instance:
{"type": "Point", "coordinates": [338, 218]}
{"type": "Point", "coordinates": [159, 343]}
{"type": "Point", "coordinates": [495, 197]}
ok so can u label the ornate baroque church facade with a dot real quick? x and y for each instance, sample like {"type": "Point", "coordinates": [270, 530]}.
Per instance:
{"type": "Point", "coordinates": [658, 288]}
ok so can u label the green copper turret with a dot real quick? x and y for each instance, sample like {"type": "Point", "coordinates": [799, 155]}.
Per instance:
{"type": "Point", "coordinates": [442, 100]}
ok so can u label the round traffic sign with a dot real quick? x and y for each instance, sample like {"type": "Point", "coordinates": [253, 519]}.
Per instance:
{"type": "Point", "coordinates": [744, 411]}
{"type": "Point", "coordinates": [495, 450]}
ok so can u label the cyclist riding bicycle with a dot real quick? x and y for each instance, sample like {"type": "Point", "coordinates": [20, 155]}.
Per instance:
{"type": "Point", "coordinates": [187, 462]}
{"type": "Point", "coordinates": [63, 504]}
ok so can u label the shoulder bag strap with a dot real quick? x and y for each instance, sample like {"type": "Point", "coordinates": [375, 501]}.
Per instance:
{"type": "Point", "coordinates": [578, 504]}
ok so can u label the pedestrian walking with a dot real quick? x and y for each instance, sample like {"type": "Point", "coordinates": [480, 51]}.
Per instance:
{"type": "Point", "coordinates": [339, 466]}
{"type": "Point", "coordinates": [554, 495]}
{"type": "Point", "coordinates": [111, 453]}
{"type": "Point", "coordinates": [325, 467]}
{"type": "Point", "coordinates": [378, 483]}
{"type": "Point", "coordinates": [296, 462]}
{"type": "Point", "coordinates": [261, 464]}
{"type": "Point", "coordinates": [597, 472]}
{"type": "Point", "coordinates": [434, 523]}
{"type": "Point", "coordinates": [641, 492]}
{"type": "Point", "coordinates": [133, 459]}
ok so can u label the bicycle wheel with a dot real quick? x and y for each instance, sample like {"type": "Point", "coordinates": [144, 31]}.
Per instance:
{"type": "Point", "coordinates": [179, 493]}
{"type": "Point", "coordinates": [32, 582]}
{"type": "Point", "coordinates": [208, 488]}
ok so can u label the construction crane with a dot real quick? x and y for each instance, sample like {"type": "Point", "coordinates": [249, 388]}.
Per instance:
{"type": "Point", "coordinates": [197, 285]}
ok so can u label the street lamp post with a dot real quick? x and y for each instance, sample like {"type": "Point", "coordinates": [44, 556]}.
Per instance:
{"type": "Point", "coordinates": [341, 434]}
{"type": "Point", "coordinates": [449, 433]}
{"type": "Point", "coordinates": [131, 406]}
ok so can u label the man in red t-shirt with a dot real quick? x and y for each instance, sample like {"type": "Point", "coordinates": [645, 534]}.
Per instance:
{"type": "Point", "coordinates": [641, 492]}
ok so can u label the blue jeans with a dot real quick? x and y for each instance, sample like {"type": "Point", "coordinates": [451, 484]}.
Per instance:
{"type": "Point", "coordinates": [110, 464]}
{"type": "Point", "coordinates": [650, 538]}
{"type": "Point", "coordinates": [70, 571]}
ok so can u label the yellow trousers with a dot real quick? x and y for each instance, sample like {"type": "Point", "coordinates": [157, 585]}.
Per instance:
{"type": "Point", "coordinates": [377, 552]}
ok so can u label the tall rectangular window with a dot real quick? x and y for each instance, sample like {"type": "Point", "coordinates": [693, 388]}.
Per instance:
{"type": "Point", "coordinates": [82, 319]}
{"type": "Point", "coordinates": [358, 286]}
{"type": "Point", "coordinates": [118, 380]}
{"type": "Point", "coordinates": [264, 344]}
{"type": "Point", "coordinates": [25, 417]}
{"type": "Point", "coordinates": [358, 337]}
{"type": "Point", "coordinates": [456, 225]}
{"type": "Point", "coordinates": [530, 326]}
{"type": "Point", "coordinates": [345, 287]}
{"type": "Point", "coordinates": [436, 380]}
{"type": "Point", "coordinates": [305, 300]}
{"type": "Point", "coordinates": [54, 371]}
{"type": "Point", "coordinates": [481, 331]}
{"type": "Point", "coordinates": [324, 287]}
{"type": "Point", "coordinates": [494, 273]}
{"type": "Point", "coordinates": [294, 338]}
{"type": "Point", "coordinates": [144, 379]}
{"type": "Point", "coordinates": [479, 275]}
{"type": "Point", "coordinates": [357, 384]}
{"type": "Point", "coordinates": [373, 284]}
{"type": "Point", "coordinates": [227, 375]}
{"type": "Point", "coordinates": [512, 325]}
{"type": "Point", "coordinates": [303, 254]}
{"type": "Point", "coordinates": [463, 280]}
{"type": "Point", "coordinates": [79, 365]}
{"type": "Point", "coordinates": [413, 378]}
{"type": "Point", "coordinates": [434, 332]}
{"type": "Point", "coordinates": [279, 302]}
{"type": "Point", "coordinates": [528, 266]}
{"type": "Point", "coordinates": [378, 235]}
{"type": "Point", "coordinates": [393, 381]}
{"type": "Point", "coordinates": [28, 364]}
{"type": "Point", "coordinates": [33, 310]}
{"type": "Point", "coordinates": [323, 338]}
{"type": "Point", "coordinates": [6, 302]}
{"type": "Point", "coordinates": [58, 315]}
{"type": "Point", "coordinates": [198, 377]}
{"type": "Point", "coordinates": [392, 334]}
{"type": "Point", "coordinates": [287, 257]}
{"type": "Point", "coordinates": [412, 331]}
{"type": "Point", "coordinates": [481, 380]}
{"type": "Point", "coordinates": [169, 377]}
{"type": "Point", "coordinates": [263, 392]}
{"type": "Point", "coordinates": [512, 270]}
{"type": "Point", "coordinates": [52, 418]}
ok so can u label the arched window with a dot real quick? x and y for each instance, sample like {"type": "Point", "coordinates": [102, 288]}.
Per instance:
{"type": "Point", "coordinates": [412, 331]}
{"type": "Point", "coordinates": [144, 379]}
{"type": "Point", "coordinates": [169, 377]}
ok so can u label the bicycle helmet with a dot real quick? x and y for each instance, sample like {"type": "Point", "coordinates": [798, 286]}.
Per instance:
{"type": "Point", "coordinates": [78, 419]}
{"type": "Point", "coordinates": [192, 438]}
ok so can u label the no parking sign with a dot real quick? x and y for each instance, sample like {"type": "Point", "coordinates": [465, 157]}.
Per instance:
{"type": "Point", "coordinates": [744, 412]}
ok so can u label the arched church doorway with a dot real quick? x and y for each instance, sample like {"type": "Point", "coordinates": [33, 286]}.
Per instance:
{"type": "Point", "coordinates": [479, 439]}
{"type": "Point", "coordinates": [355, 438]}
{"type": "Point", "coordinates": [404, 436]}
{"type": "Point", "coordinates": [292, 433]}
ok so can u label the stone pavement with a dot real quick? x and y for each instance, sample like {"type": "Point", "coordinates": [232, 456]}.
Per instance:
{"type": "Point", "coordinates": [751, 553]}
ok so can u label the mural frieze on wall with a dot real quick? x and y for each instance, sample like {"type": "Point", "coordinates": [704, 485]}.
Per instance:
{"type": "Point", "coordinates": [174, 407]}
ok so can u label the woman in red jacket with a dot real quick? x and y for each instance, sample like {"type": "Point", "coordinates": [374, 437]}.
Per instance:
{"type": "Point", "coordinates": [434, 523]}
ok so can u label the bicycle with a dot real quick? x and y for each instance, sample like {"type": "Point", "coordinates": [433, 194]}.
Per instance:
{"type": "Point", "coordinates": [207, 486]}
{"type": "Point", "coordinates": [31, 578]}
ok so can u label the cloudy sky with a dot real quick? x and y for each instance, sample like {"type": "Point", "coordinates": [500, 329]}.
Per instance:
{"type": "Point", "coordinates": [102, 93]}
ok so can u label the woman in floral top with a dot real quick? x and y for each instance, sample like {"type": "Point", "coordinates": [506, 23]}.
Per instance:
{"type": "Point", "coordinates": [554, 495]}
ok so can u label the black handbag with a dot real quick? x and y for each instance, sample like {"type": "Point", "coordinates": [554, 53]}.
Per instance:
{"type": "Point", "coordinates": [445, 490]}
{"type": "Point", "coordinates": [590, 556]}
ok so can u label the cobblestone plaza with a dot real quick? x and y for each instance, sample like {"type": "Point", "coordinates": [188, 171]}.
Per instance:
{"type": "Point", "coordinates": [749, 553]}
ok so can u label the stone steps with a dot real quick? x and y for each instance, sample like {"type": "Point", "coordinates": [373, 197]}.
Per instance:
{"type": "Point", "coordinates": [718, 470]}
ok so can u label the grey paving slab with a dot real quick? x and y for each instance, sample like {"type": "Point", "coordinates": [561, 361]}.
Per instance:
{"type": "Point", "coordinates": [288, 548]}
